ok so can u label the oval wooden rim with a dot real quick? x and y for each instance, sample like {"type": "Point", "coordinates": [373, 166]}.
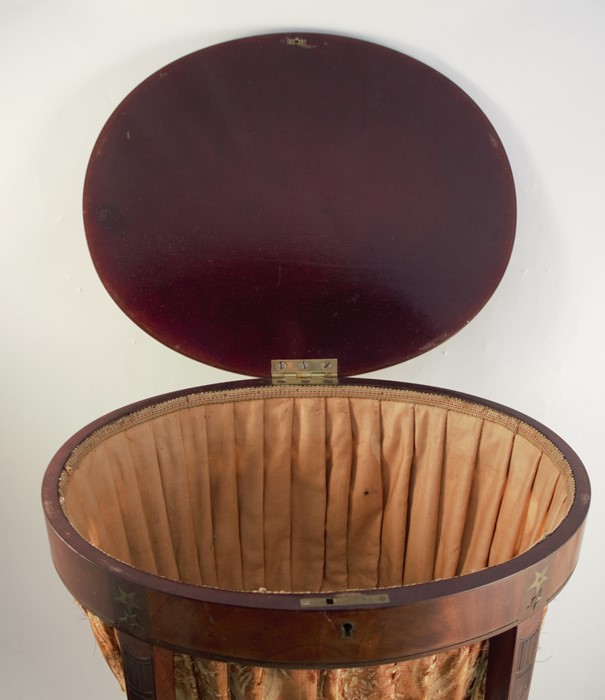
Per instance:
{"type": "Point", "coordinates": [271, 628]}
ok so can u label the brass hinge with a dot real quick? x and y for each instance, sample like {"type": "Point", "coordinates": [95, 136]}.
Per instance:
{"type": "Point", "coordinates": [304, 371]}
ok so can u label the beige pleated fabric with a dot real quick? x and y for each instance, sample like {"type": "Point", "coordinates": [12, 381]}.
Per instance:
{"type": "Point", "coordinates": [310, 489]}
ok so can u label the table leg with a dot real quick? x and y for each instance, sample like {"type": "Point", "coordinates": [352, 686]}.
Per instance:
{"type": "Point", "coordinates": [511, 660]}
{"type": "Point", "coordinates": [148, 670]}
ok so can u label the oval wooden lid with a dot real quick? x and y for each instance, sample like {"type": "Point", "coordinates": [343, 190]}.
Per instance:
{"type": "Point", "coordinates": [299, 196]}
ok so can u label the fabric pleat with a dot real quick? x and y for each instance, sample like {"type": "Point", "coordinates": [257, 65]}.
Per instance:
{"type": "Point", "coordinates": [173, 471]}
{"type": "Point", "coordinates": [223, 487]}
{"type": "Point", "coordinates": [339, 462]}
{"type": "Point", "coordinates": [461, 447]}
{"type": "Point", "coordinates": [397, 456]}
{"type": "Point", "coordinates": [111, 509]}
{"type": "Point", "coordinates": [308, 496]}
{"type": "Point", "coordinates": [558, 505]}
{"type": "Point", "coordinates": [513, 509]}
{"type": "Point", "coordinates": [316, 493]}
{"type": "Point", "coordinates": [142, 448]}
{"type": "Point", "coordinates": [277, 432]}
{"type": "Point", "coordinates": [195, 449]}
{"type": "Point", "coordinates": [131, 504]}
{"type": "Point", "coordinates": [86, 511]}
{"type": "Point", "coordinates": [489, 481]}
{"type": "Point", "coordinates": [539, 502]}
{"type": "Point", "coordinates": [365, 498]}
{"type": "Point", "coordinates": [425, 488]}
{"type": "Point", "coordinates": [249, 445]}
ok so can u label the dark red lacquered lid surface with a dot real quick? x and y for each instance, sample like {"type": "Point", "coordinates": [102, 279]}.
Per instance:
{"type": "Point", "coordinates": [299, 196]}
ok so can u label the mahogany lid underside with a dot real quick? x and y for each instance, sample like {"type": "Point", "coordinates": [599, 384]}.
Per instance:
{"type": "Point", "coordinates": [299, 196]}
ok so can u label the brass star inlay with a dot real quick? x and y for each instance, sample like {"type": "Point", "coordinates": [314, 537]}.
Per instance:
{"type": "Point", "coordinates": [127, 600]}
{"type": "Point", "coordinates": [131, 621]}
{"type": "Point", "coordinates": [539, 580]}
{"type": "Point", "coordinates": [536, 598]}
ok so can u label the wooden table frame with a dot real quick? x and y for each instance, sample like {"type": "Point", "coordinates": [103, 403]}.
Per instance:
{"type": "Point", "coordinates": [155, 616]}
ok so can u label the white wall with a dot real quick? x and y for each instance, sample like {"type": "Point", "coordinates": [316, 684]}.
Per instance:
{"type": "Point", "coordinates": [69, 355]}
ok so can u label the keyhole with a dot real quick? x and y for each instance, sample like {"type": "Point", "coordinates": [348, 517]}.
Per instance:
{"type": "Point", "coordinates": [346, 630]}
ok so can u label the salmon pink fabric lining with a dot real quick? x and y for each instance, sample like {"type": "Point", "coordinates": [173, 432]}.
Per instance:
{"type": "Point", "coordinates": [316, 489]}
{"type": "Point", "coordinates": [310, 494]}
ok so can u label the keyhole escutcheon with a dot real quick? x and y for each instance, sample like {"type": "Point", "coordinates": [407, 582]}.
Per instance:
{"type": "Point", "coordinates": [346, 630]}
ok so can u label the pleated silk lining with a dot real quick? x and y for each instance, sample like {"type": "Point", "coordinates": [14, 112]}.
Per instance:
{"type": "Point", "coordinates": [310, 489]}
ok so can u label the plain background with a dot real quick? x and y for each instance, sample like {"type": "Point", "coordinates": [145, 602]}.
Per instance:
{"type": "Point", "coordinates": [68, 355]}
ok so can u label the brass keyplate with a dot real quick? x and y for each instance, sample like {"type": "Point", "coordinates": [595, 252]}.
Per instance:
{"type": "Point", "coordinates": [345, 600]}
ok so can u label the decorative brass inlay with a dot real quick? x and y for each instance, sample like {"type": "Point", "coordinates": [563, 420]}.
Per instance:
{"type": "Point", "coordinates": [540, 578]}
{"type": "Point", "coordinates": [344, 599]}
{"type": "Point", "coordinates": [128, 606]}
